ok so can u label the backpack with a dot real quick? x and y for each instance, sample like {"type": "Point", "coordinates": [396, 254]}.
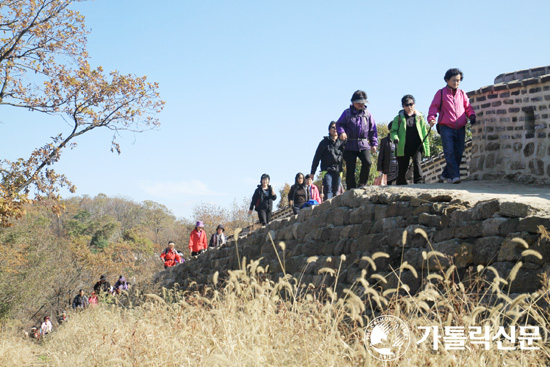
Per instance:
{"type": "Point", "coordinates": [260, 193]}
{"type": "Point", "coordinates": [309, 203]}
{"type": "Point", "coordinates": [439, 117]}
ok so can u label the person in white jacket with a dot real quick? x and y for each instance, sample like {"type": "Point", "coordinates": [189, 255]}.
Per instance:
{"type": "Point", "coordinates": [46, 326]}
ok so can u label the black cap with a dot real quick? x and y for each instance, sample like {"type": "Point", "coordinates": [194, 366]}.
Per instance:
{"type": "Point", "coordinates": [359, 96]}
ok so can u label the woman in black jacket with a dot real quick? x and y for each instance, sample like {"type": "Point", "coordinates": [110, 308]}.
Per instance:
{"type": "Point", "coordinates": [298, 194]}
{"type": "Point", "coordinates": [387, 160]}
{"type": "Point", "coordinates": [263, 199]}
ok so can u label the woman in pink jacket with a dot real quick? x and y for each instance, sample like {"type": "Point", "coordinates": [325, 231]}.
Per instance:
{"type": "Point", "coordinates": [454, 109]}
{"type": "Point", "coordinates": [197, 240]}
{"type": "Point", "coordinates": [313, 190]}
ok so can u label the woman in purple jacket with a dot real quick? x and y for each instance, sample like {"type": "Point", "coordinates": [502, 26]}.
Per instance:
{"type": "Point", "coordinates": [358, 128]}
{"type": "Point", "coordinates": [454, 109]}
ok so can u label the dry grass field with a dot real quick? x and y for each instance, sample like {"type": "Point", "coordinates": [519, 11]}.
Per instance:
{"type": "Point", "coordinates": [251, 321]}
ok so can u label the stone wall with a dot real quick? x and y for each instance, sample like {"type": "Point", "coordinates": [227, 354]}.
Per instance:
{"type": "Point", "coordinates": [511, 137]}
{"type": "Point", "coordinates": [363, 222]}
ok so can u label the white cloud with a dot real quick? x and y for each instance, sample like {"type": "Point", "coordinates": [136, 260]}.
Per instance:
{"type": "Point", "coordinates": [167, 189]}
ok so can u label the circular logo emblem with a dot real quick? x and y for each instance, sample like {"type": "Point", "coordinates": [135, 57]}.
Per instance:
{"type": "Point", "coordinates": [387, 338]}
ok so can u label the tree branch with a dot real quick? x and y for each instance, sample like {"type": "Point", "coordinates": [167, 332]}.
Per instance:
{"type": "Point", "coordinates": [46, 161]}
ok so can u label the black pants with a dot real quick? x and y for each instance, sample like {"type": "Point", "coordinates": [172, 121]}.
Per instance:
{"type": "Point", "coordinates": [195, 253]}
{"type": "Point", "coordinates": [264, 216]}
{"type": "Point", "coordinates": [350, 157]}
{"type": "Point", "coordinates": [404, 165]}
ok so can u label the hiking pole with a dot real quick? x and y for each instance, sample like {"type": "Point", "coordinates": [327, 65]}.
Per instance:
{"type": "Point", "coordinates": [416, 152]}
{"type": "Point", "coordinates": [322, 190]}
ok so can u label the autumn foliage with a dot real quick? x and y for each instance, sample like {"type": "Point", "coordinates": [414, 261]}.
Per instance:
{"type": "Point", "coordinates": [55, 255]}
{"type": "Point", "coordinates": [44, 67]}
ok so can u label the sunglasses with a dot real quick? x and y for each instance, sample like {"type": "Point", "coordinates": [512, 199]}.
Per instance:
{"type": "Point", "coordinates": [408, 105]}
{"type": "Point", "coordinates": [333, 127]}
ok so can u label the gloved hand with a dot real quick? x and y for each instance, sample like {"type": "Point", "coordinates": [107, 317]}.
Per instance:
{"type": "Point", "coordinates": [472, 119]}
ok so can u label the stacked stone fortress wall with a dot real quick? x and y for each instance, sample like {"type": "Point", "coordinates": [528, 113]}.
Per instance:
{"type": "Point", "coordinates": [363, 222]}
{"type": "Point", "coordinates": [428, 228]}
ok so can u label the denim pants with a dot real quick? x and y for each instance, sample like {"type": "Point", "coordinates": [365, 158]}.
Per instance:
{"type": "Point", "coordinates": [453, 148]}
{"type": "Point", "coordinates": [331, 183]}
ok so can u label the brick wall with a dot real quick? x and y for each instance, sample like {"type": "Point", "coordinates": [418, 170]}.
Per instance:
{"type": "Point", "coordinates": [511, 137]}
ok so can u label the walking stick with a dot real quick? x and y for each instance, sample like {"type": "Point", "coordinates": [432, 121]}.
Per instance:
{"type": "Point", "coordinates": [321, 194]}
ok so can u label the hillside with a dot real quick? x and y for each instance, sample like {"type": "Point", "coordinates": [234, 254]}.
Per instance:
{"type": "Point", "coordinates": [246, 318]}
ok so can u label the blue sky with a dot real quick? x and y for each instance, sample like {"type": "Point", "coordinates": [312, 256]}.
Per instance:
{"type": "Point", "coordinates": [250, 86]}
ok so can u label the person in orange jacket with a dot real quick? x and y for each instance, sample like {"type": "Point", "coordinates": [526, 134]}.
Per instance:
{"type": "Point", "coordinates": [197, 240]}
{"type": "Point", "coordinates": [170, 256]}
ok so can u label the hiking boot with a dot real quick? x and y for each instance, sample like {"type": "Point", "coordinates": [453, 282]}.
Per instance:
{"type": "Point", "coordinates": [456, 180]}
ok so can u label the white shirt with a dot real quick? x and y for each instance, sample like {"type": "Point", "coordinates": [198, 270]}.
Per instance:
{"type": "Point", "coordinates": [46, 327]}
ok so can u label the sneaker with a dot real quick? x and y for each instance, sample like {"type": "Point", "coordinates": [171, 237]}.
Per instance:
{"type": "Point", "coordinates": [456, 180]}
{"type": "Point", "coordinates": [442, 179]}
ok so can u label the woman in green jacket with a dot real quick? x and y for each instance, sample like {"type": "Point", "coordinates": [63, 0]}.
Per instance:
{"type": "Point", "coordinates": [409, 131]}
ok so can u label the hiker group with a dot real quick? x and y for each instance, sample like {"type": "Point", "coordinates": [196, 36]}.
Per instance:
{"type": "Point", "coordinates": [101, 288]}
{"type": "Point", "coordinates": [197, 244]}
{"type": "Point", "coordinates": [354, 136]}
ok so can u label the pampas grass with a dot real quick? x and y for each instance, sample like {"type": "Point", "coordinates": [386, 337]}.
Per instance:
{"type": "Point", "coordinates": [248, 320]}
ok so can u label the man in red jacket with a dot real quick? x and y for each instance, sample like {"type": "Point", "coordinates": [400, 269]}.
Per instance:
{"type": "Point", "coordinates": [197, 240]}
{"type": "Point", "coordinates": [170, 256]}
